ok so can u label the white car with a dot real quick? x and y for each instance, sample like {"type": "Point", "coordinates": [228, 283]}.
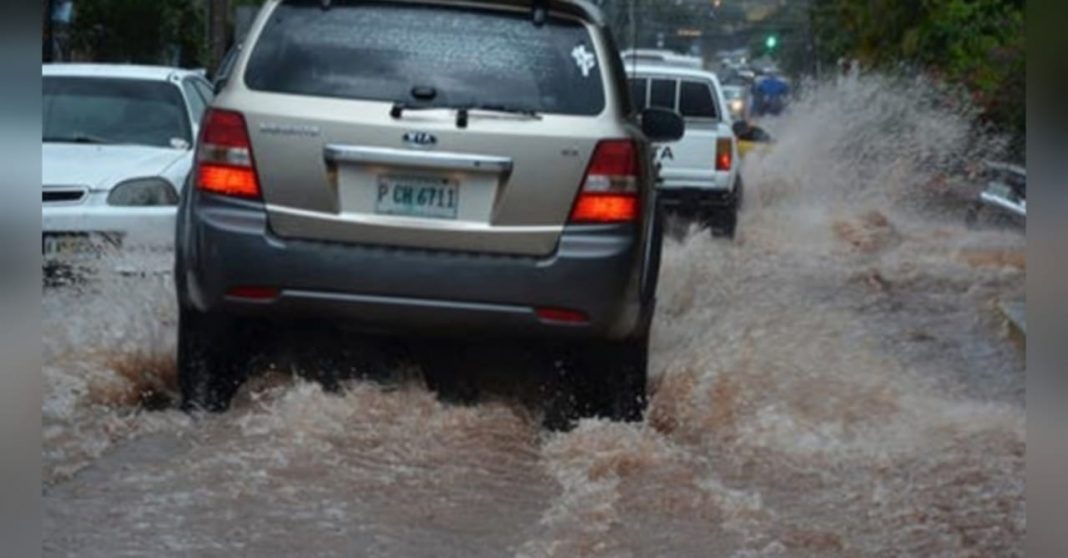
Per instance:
{"type": "Point", "coordinates": [117, 148]}
{"type": "Point", "coordinates": [700, 177]}
{"type": "Point", "coordinates": [646, 55]}
{"type": "Point", "coordinates": [738, 102]}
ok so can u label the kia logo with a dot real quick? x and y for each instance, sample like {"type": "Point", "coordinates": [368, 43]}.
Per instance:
{"type": "Point", "coordinates": [420, 139]}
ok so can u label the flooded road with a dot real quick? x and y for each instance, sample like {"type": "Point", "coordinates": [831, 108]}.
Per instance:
{"type": "Point", "coordinates": [835, 382]}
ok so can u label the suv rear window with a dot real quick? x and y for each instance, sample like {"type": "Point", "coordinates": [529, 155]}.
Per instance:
{"type": "Point", "coordinates": [380, 51]}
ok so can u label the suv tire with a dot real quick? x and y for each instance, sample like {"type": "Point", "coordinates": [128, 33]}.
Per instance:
{"type": "Point", "coordinates": [611, 380]}
{"type": "Point", "coordinates": [212, 361]}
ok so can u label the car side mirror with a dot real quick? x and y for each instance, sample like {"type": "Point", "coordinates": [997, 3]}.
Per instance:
{"type": "Point", "coordinates": [662, 125]}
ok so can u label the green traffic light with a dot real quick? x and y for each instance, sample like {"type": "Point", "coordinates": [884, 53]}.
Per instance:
{"type": "Point", "coordinates": [772, 41]}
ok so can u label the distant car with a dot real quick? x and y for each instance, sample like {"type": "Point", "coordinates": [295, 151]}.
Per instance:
{"type": "Point", "coordinates": [117, 146]}
{"type": "Point", "coordinates": [770, 94]}
{"type": "Point", "coordinates": [1006, 191]}
{"type": "Point", "coordinates": [700, 177]}
{"type": "Point", "coordinates": [738, 101]}
{"type": "Point", "coordinates": [648, 55]}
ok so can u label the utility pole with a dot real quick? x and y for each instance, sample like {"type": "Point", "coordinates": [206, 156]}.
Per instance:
{"type": "Point", "coordinates": [218, 10]}
{"type": "Point", "coordinates": [631, 5]}
{"type": "Point", "coordinates": [50, 38]}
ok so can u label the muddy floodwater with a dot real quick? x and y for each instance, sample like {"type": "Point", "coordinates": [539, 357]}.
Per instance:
{"type": "Point", "coordinates": [836, 381]}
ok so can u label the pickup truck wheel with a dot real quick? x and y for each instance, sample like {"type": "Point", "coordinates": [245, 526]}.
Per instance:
{"type": "Point", "coordinates": [611, 380]}
{"type": "Point", "coordinates": [723, 221]}
{"type": "Point", "coordinates": [729, 220]}
{"type": "Point", "coordinates": [211, 359]}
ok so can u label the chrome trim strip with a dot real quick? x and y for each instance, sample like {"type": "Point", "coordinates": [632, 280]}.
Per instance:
{"type": "Point", "coordinates": [376, 220]}
{"type": "Point", "coordinates": [421, 159]}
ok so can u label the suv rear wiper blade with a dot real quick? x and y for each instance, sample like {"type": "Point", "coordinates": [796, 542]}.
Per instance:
{"type": "Point", "coordinates": [461, 115]}
{"type": "Point", "coordinates": [509, 109]}
{"type": "Point", "coordinates": [75, 138]}
{"type": "Point", "coordinates": [463, 109]}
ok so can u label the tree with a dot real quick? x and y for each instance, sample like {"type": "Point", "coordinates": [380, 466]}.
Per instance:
{"type": "Point", "coordinates": [976, 43]}
{"type": "Point", "coordinates": [139, 31]}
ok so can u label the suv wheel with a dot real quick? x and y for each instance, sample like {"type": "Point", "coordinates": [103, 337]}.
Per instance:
{"type": "Point", "coordinates": [611, 380]}
{"type": "Point", "coordinates": [447, 372]}
{"type": "Point", "coordinates": [212, 359]}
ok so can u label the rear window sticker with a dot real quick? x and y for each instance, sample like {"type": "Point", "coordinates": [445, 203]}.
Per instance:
{"type": "Point", "coordinates": [584, 59]}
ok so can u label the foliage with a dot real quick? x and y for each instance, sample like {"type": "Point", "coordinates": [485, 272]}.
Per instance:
{"type": "Point", "coordinates": [790, 27]}
{"type": "Point", "coordinates": [139, 31]}
{"type": "Point", "coordinates": [976, 43]}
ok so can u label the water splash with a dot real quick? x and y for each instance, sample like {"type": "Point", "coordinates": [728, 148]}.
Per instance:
{"type": "Point", "coordinates": [833, 383]}
{"type": "Point", "coordinates": [108, 354]}
{"type": "Point", "coordinates": [843, 353]}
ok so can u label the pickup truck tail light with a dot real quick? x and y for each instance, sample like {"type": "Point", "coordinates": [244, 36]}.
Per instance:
{"type": "Point", "coordinates": [609, 192]}
{"type": "Point", "coordinates": [225, 165]}
{"type": "Point", "coordinates": [724, 154]}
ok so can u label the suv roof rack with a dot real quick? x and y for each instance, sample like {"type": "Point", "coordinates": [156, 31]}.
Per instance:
{"type": "Point", "coordinates": [539, 9]}
{"type": "Point", "coordinates": [578, 8]}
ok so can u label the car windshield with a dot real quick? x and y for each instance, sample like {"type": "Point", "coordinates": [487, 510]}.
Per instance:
{"type": "Point", "coordinates": [114, 111]}
{"type": "Point", "coordinates": [374, 51]}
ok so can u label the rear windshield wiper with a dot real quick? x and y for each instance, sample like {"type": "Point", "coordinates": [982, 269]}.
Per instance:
{"type": "Point", "coordinates": [462, 110]}
{"type": "Point", "coordinates": [75, 138]}
{"type": "Point", "coordinates": [508, 109]}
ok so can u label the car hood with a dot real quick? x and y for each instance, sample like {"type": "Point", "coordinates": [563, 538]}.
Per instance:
{"type": "Point", "coordinates": [100, 167]}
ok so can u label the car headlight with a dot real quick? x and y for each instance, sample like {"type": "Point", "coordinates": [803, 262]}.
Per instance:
{"type": "Point", "coordinates": [143, 192]}
{"type": "Point", "coordinates": [737, 105]}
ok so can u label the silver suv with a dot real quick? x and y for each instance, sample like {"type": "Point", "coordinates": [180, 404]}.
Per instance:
{"type": "Point", "coordinates": [424, 169]}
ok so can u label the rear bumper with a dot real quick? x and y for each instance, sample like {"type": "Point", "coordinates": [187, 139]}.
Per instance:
{"type": "Point", "coordinates": [697, 179]}
{"type": "Point", "coordinates": [683, 199]}
{"type": "Point", "coordinates": [148, 226]}
{"type": "Point", "coordinates": [95, 237]}
{"type": "Point", "coordinates": [224, 244]}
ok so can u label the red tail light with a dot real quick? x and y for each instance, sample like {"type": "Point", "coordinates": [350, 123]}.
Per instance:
{"type": "Point", "coordinates": [254, 293]}
{"type": "Point", "coordinates": [724, 154]}
{"type": "Point", "coordinates": [224, 157]}
{"type": "Point", "coordinates": [562, 316]}
{"type": "Point", "coordinates": [609, 191]}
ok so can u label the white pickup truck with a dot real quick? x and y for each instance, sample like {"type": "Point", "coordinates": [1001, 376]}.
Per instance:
{"type": "Point", "coordinates": [700, 177]}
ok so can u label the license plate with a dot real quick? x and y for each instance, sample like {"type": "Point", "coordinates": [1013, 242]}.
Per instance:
{"type": "Point", "coordinates": [63, 245]}
{"type": "Point", "coordinates": [418, 196]}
